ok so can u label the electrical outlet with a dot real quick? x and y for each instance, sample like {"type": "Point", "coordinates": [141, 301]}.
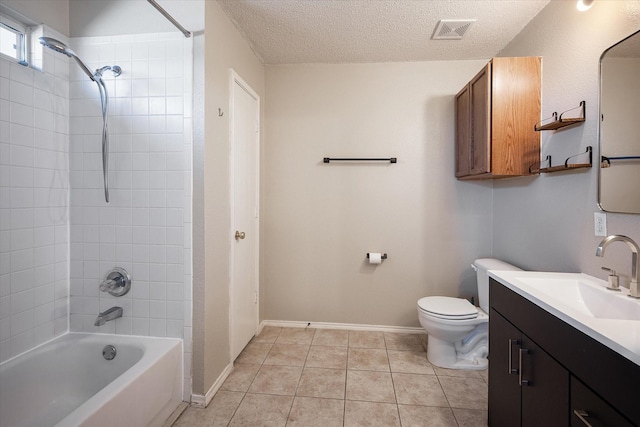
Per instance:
{"type": "Point", "coordinates": [600, 223]}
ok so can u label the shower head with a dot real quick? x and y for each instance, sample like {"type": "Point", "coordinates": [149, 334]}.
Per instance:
{"type": "Point", "coordinates": [56, 45]}
{"type": "Point", "coordinates": [60, 47]}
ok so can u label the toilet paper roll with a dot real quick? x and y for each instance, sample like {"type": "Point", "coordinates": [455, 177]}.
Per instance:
{"type": "Point", "coordinates": [375, 258]}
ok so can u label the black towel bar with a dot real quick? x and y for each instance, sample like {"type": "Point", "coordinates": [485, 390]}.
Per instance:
{"type": "Point", "coordinates": [359, 159]}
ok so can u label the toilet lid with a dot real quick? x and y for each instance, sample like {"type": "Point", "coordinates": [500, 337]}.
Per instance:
{"type": "Point", "coordinates": [448, 308]}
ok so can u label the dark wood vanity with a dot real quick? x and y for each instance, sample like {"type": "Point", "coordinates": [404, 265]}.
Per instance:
{"type": "Point", "coordinates": [545, 372]}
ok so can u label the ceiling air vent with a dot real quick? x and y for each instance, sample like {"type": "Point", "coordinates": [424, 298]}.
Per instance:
{"type": "Point", "coordinates": [451, 29]}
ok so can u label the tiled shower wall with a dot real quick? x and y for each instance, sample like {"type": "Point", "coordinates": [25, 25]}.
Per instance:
{"type": "Point", "coordinates": [34, 279]}
{"type": "Point", "coordinates": [146, 227]}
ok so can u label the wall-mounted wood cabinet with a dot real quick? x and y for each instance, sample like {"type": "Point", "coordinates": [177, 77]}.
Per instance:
{"type": "Point", "coordinates": [494, 113]}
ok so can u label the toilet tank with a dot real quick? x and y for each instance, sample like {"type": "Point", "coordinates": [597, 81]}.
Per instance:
{"type": "Point", "coordinates": [481, 266]}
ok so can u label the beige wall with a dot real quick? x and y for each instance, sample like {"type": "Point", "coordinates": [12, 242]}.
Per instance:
{"type": "Point", "coordinates": [547, 222]}
{"type": "Point", "coordinates": [320, 220]}
{"type": "Point", "coordinates": [224, 49]}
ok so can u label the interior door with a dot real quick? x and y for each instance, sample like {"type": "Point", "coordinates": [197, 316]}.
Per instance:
{"type": "Point", "coordinates": [245, 139]}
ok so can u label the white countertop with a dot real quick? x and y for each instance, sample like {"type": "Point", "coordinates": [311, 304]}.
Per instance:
{"type": "Point", "coordinates": [546, 290]}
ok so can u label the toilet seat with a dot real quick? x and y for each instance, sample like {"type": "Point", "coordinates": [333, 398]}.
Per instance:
{"type": "Point", "coordinates": [448, 308]}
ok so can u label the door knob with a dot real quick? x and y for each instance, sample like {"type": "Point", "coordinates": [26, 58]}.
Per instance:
{"type": "Point", "coordinates": [240, 235]}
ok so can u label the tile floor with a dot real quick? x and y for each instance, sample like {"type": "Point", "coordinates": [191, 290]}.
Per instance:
{"type": "Point", "coordinates": [329, 377]}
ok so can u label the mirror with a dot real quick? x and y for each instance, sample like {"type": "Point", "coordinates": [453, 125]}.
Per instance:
{"type": "Point", "coordinates": [619, 176]}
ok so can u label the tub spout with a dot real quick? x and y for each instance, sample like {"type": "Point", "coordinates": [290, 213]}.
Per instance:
{"type": "Point", "coordinates": [107, 315]}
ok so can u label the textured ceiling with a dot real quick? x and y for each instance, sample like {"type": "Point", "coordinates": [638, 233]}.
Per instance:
{"type": "Point", "coordinates": [335, 31]}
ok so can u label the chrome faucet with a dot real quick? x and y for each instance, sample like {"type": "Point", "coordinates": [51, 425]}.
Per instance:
{"type": "Point", "coordinates": [108, 315]}
{"type": "Point", "coordinates": [634, 292]}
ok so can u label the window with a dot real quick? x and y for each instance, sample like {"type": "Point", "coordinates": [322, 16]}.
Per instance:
{"type": "Point", "coordinates": [13, 40]}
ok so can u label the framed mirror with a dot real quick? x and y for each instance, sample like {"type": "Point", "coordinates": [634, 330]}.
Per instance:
{"type": "Point", "coordinates": [619, 172]}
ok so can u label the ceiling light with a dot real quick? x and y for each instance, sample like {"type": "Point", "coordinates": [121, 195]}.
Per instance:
{"type": "Point", "coordinates": [584, 5]}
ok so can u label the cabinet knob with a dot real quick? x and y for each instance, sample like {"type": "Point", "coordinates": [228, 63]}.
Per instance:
{"type": "Point", "coordinates": [240, 235]}
{"type": "Point", "coordinates": [582, 415]}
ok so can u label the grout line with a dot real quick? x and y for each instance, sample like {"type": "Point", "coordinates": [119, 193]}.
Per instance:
{"type": "Point", "coordinates": [393, 383]}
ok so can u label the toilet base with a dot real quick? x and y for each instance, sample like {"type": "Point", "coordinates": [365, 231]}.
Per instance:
{"type": "Point", "coordinates": [443, 355]}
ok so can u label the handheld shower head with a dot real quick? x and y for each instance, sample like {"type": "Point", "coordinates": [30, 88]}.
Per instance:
{"type": "Point", "coordinates": [60, 47]}
{"type": "Point", "coordinates": [96, 76]}
{"type": "Point", "coordinates": [56, 45]}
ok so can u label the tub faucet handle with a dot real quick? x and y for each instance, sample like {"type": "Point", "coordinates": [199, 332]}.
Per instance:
{"type": "Point", "coordinates": [117, 282]}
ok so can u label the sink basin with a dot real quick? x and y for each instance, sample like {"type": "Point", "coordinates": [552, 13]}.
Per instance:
{"type": "Point", "coordinates": [586, 296]}
{"type": "Point", "coordinates": [584, 302]}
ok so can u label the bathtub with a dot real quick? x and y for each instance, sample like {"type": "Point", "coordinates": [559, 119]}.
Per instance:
{"type": "Point", "coordinates": [67, 382]}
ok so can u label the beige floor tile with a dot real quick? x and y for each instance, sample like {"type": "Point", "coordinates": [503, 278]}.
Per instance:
{"type": "Point", "coordinates": [461, 373]}
{"type": "Point", "coordinates": [366, 339]}
{"type": "Point", "coordinates": [424, 340]}
{"type": "Point", "coordinates": [254, 353]}
{"type": "Point", "coordinates": [301, 373]}
{"type": "Point", "coordinates": [287, 355]}
{"type": "Point", "coordinates": [465, 393]}
{"type": "Point", "coordinates": [327, 357]}
{"type": "Point", "coordinates": [470, 417]}
{"type": "Point", "coordinates": [319, 382]}
{"type": "Point", "coordinates": [222, 407]}
{"type": "Point", "coordinates": [370, 414]}
{"type": "Point", "coordinates": [370, 386]}
{"type": "Point", "coordinates": [192, 417]}
{"type": "Point", "coordinates": [240, 378]}
{"type": "Point", "coordinates": [276, 380]}
{"type": "Point", "coordinates": [268, 334]}
{"type": "Point", "coordinates": [413, 389]}
{"type": "Point", "coordinates": [262, 410]}
{"type": "Point", "coordinates": [426, 416]}
{"type": "Point", "coordinates": [410, 362]}
{"type": "Point", "coordinates": [484, 375]}
{"type": "Point", "coordinates": [368, 359]}
{"type": "Point", "coordinates": [218, 413]}
{"type": "Point", "coordinates": [396, 341]}
{"type": "Point", "coordinates": [331, 337]}
{"type": "Point", "coordinates": [312, 412]}
{"type": "Point", "coordinates": [302, 336]}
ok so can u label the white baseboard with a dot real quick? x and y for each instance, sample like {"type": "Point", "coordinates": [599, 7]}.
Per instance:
{"type": "Point", "coordinates": [200, 401]}
{"type": "Point", "coordinates": [350, 326]}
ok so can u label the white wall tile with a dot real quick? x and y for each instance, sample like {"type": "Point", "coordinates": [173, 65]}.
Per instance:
{"type": "Point", "coordinates": [142, 229]}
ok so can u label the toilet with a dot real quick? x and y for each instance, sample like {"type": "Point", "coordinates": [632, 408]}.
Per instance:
{"type": "Point", "coordinates": [458, 331]}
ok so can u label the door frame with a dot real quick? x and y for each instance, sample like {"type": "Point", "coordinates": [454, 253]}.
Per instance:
{"type": "Point", "coordinates": [237, 83]}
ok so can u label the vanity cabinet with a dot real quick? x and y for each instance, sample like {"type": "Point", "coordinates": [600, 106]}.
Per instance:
{"type": "Point", "coordinates": [563, 371]}
{"type": "Point", "coordinates": [494, 115]}
{"type": "Point", "coordinates": [524, 378]}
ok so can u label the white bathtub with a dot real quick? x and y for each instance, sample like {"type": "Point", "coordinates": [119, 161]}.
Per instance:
{"type": "Point", "coordinates": [67, 382]}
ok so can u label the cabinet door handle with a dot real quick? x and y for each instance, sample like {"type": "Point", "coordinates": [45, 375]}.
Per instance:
{"type": "Point", "coordinates": [582, 414]}
{"type": "Point", "coordinates": [512, 370]}
{"type": "Point", "coordinates": [520, 380]}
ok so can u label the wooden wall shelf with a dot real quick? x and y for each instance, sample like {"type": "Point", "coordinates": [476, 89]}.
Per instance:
{"type": "Point", "coordinates": [559, 122]}
{"type": "Point", "coordinates": [566, 166]}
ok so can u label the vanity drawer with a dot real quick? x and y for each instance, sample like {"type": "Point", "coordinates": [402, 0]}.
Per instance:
{"type": "Point", "coordinates": [595, 412]}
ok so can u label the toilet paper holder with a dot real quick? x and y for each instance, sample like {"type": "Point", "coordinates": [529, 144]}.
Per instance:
{"type": "Point", "coordinates": [384, 256]}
